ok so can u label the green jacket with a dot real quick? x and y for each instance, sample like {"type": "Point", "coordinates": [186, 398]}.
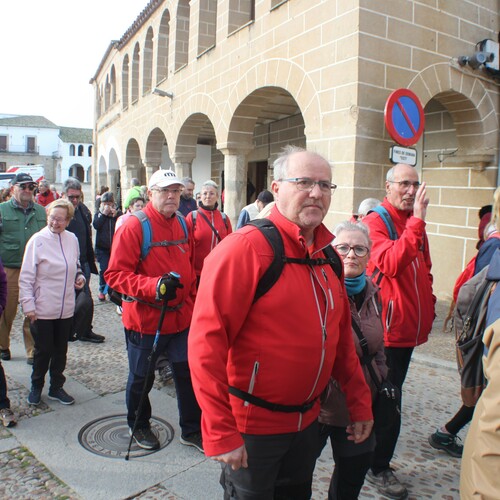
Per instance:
{"type": "Point", "coordinates": [16, 229]}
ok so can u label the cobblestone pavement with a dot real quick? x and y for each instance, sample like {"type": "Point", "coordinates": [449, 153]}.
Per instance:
{"type": "Point", "coordinates": [431, 396]}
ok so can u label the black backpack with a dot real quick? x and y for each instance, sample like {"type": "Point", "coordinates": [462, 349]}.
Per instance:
{"type": "Point", "coordinates": [273, 272]}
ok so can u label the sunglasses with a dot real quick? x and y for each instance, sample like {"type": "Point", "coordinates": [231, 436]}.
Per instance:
{"type": "Point", "coordinates": [31, 187]}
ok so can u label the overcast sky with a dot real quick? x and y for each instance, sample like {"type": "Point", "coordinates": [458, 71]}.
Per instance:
{"type": "Point", "coordinates": [50, 51]}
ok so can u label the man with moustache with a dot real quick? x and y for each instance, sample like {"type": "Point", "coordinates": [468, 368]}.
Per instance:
{"type": "Point", "coordinates": [20, 219]}
{"type": "Point", "coordinates": [259, 367]}
{"type": "Point", "coordinates": [403, 266]}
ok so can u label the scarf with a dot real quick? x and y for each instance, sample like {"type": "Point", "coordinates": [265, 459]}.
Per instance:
{"type": "Point", "coordinates": [355, 285]}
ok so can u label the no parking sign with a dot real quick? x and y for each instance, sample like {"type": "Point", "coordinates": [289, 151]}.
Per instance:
{"type": "Point", "coordinates": [404, 117]}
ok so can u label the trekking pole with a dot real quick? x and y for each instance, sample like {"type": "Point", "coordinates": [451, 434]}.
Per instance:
{"type": "Point", "coordinates": [175, 277]}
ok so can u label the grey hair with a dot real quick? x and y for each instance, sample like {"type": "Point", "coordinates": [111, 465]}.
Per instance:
{"type": "Point", "coordinates": [368, 204]}
{"type": "Point", "coordinates": [390, 174]}
{"type": "Point", "coordinates": [354, 226]}
{"type": "Point", "coordinates": [71, 183]}
{"type": "Point", "coordinates": [280, 165]}
{"type": "Point", "coordinates": [44, 182]}
{"type": "Point", "coordinates": [135, 181]}
{"type": "Point", "coordinates": [187, 180]}
{"type": "Point", "coordinates": [210, 183]}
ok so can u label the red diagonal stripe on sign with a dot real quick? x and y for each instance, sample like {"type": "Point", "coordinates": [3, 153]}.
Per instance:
{"type": "Point", "coordinates": [407, 118]}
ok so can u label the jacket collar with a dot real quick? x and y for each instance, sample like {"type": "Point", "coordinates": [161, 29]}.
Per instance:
{"type": "Point", "coordinates": [398, 216]}
{"type": "Point", "coordinates": [291, 232]}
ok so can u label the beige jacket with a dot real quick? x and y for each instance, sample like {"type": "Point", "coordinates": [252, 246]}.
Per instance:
{"type": "Point", "coordinates": [480, 475]}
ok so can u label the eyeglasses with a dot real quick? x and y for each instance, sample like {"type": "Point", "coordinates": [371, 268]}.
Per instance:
{"type": "Point", "coordinates": [74, 197]}
{"type": "Point", "coordinates": [56, 219]}
{"type": "Point", "coordinates": [163, 190]}
{"type": "Point", "coordinates": [307, 184]}
{"type": "Point", "coordinates": [30, 187]}
{"type": "Point", "coordinates": [406, 184]}
{"type": "Point", "coordinates": [359, 250]}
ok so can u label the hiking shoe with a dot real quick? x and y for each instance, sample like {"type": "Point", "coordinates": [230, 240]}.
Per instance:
{"type": "Point", "coordinates": [102, 297]}
{"type": "Point", "coordinates": [145, 438]}
{"type": "Point", "coordinates": [446, 442]}
{"type": "Point", "coordinates": [62, 396]}
{"type": "Point", "coordinates": [387, 484]}
{"type": "Point", "coordinates": [30, 361]}
{"type": "Point", "coordinates": [166, 373]}
{"type": "Point", "coordinates": [5, 354]}
{"type": "Point", "coordinates": [35, 396]}
{"type": "Point", "coordinates": [7, 417]}
{"type": "Point", "coordinates": [193, 440]}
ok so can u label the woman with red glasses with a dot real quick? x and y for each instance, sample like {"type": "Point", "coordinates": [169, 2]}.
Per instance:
{"type": "Point", "coordinates": [352, 461]}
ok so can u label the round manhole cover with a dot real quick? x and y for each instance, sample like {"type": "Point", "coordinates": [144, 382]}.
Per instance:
{"type": "Point", "coordinates": [109, 436]}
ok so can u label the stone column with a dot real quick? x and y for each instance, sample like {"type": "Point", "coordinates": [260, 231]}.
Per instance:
{"type": "Point", "coordinates": [235, 182]}
{"type": "Point", "coordinates": [183, 168]}
{"type": "Point", "coordinates": [151, 168]}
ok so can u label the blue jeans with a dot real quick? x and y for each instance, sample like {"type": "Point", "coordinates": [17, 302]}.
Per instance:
{"type": "Point", "coordinates": [141, 377]}
{"type": "Point", "coordinates": [103, 260]}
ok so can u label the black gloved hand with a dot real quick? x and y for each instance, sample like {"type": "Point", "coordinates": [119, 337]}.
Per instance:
{"type": "Point", "coordinates": [166, 288]}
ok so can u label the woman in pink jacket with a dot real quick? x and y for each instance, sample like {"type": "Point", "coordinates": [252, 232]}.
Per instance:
{"type": "Point", "coordinates": [50, 273]}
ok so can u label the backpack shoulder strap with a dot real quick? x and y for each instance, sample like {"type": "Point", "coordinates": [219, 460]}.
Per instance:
{"type": "Point", "coordinates": [224, 218]}
{"type": "Point", "coordinates": [194, 214]}
{"type": "Point", "coordinates": [334, 259]}
{"type": "Point", "coordinates": [147, 234]}
{"type": "Point", "coordinates": [273, 272]}
{"type": "Point", "coordinates": [384, 214]}
{"type": "Point", "coordinates": [182, 222]}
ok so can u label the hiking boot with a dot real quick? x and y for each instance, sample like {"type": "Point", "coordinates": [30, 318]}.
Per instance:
{"type": "Point", "coordinates": [145, 438]}
{"type": "Point", "coordinates": [193, 440]}
{"type": "Point", "coordinates": [35, 396]}
{"type": "Point", "coordinates": [5, 354]}
{"type": "Point", "coordinates": [446, 442]}
{"type": "Point", "coordinates": [166, 373]}
{"type": "Point", "coordinates": [62, 396]}
{"type": "Point", "coordinates": [30, 361]}
{"type": "Point", "coordinates": [7, 417]}
{"type": "Point", "coordinates": [387, 484]}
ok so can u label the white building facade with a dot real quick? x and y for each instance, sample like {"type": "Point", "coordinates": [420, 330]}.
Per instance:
{"type": "Point", "coordinates": [32, 140]}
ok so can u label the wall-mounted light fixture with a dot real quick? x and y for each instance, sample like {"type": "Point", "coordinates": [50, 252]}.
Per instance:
{"type": "Point", "coordinates": [162, 93]}
{"type": "Point", "coordinates": [487, 54]}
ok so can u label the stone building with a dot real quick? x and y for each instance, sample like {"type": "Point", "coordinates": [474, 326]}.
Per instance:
{"type": "Point", "coordinates": [216, 88]}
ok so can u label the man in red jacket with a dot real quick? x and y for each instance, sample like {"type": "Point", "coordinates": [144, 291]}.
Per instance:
{"type": "Point", "coordinates": [259, 367]}
{"type": "Point", "coordinates": [145, 281]}
{"type": "Point", "coordinates": [407, 299]}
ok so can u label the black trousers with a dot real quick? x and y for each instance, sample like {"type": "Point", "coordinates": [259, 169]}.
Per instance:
{"type": "Point", "coordinates": [280, 467]}
{"type": "Point", "coordinates": [460, 419]}
{"type": "Point", "coordinates": [352, 461]}
{"type": "Point", "coordinates": [398, 361]}
{"type": "Point", "coordinates": [51, 346]}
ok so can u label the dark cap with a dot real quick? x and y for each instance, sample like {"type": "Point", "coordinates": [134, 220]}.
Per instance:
{"type": "Point", "coordinates": [22, 178]}
{"type": "Point", "coordinates": [107, 196]}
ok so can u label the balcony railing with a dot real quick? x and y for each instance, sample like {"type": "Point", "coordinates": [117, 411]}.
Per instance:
{"type": "Point", "coordinates": [24, 149]}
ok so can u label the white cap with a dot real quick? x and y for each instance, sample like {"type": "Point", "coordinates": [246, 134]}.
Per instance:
{"type": "Point", "coordinates": [164, 178]}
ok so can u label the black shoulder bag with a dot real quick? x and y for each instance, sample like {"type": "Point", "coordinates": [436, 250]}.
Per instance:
{"type": "Point", "coordinates": [386, 407]}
